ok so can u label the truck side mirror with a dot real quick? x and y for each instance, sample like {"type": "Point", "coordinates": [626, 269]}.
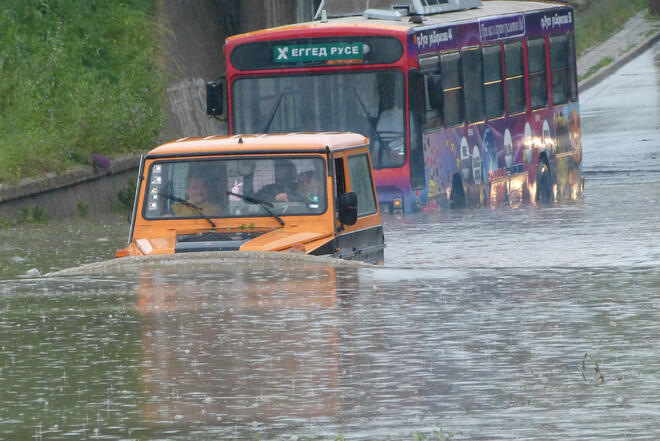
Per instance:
{"type": "Point", "coordinates": [216, 93]}
{"type": "Point", "coordinates": [348, 208]}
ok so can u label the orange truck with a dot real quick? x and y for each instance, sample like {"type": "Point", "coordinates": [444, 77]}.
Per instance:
{"type": "Point", "coordinates": [303, 192]}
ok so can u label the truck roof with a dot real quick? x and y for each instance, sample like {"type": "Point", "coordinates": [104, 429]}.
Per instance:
{"type": "Point", "coordinates": [490, 8]}
{"type": "Point", "coordinates": [302, 142]}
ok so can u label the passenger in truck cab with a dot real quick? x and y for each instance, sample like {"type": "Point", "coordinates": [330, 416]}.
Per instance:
{"type": "Point", "coordinates": [284, 185]}
{"type": "Point", "coordinates": [197, 196]}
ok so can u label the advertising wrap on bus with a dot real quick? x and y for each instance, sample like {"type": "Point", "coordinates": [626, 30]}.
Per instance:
{"type": "Point", "coordinates": [498, 152]}
{"type": "Point", "coordinates": [463, 109]}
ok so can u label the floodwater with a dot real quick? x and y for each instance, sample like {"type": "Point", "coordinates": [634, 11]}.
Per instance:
{"type": "Point", "coordinates": [535, 323]}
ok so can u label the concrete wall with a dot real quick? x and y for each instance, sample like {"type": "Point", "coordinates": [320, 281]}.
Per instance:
{"type": "Point", "coordinates": [59, 196]}
{"type": "Point", "coordinates": [192, 40]}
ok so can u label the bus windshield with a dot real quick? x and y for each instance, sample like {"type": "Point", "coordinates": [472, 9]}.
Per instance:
{"type": "Point", "coordinates": [369, 103]}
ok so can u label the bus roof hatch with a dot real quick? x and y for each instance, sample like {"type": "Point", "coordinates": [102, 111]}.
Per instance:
{"type": "Point", "coordinates": [392, 9]}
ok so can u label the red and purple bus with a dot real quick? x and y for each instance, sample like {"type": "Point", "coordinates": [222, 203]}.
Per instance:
{"type": "Point", "coordinates": [465, 104]}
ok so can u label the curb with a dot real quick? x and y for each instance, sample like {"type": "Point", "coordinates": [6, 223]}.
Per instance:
{"type": "Point", "coordinates": [617, 64]}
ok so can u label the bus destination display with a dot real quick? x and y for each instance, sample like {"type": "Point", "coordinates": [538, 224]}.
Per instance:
{"type": "Point", "coordinates": [318, 52]}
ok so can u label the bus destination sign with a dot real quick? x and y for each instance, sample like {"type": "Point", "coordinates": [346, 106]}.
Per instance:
{"type": "Point", "coordinates": [318, 52]}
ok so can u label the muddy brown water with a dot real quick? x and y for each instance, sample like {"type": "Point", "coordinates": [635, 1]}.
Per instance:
{"type": "Point", "coordinates": [536, 323]}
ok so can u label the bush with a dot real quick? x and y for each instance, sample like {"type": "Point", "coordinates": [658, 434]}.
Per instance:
{"type": "Point", "coordinates": [79, 77]}
{"type": "Point", "coordinates": [126, 195]}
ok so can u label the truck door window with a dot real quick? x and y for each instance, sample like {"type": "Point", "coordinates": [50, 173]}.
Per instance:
{"type": "Point", "coordinates": [361, 184]}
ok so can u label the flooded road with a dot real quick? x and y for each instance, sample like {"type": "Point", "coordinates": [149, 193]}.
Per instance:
{"type": "Point", "coordinates": [536, 323]}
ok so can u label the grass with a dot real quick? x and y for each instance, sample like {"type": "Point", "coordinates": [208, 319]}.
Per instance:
{"type": "Point", "coordinates": [595, 24]}
{"type": "Point", "coordinates": [595, 68]}
{"type": "Point", "coordinates": [27, 215]}
{"type": "Point", "coordinates": [78, 77]}
{"type": "Point", "coordinates": [126, 195]}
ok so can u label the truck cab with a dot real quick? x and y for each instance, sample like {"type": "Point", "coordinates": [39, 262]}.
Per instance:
{"type": "Point", "coordinates": [301, 192]}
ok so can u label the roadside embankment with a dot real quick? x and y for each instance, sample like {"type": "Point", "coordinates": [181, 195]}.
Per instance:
{"type": "Point", "coordinates": [78, 78]}
{"type": "Point", "coordinates": [86, 79]}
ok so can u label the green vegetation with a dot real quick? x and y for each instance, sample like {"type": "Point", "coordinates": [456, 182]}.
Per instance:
{"type": "Point", "coordinates": [78, 77]}
{"type": "Point", "coordinates": [126, 195]}
{"type": "Point", "coordinates": [32, 215]}
{"type": "Point", "coordinates": [27, 215]}
{"type": "Point", "coordinates": [602, 18]}
{"type": "Point", "coordinates": [595, 68]}
{"type": "Point", "coordinates": [83, 209]}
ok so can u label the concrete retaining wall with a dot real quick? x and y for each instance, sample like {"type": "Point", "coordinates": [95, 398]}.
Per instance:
{"type": "Point", "coordinates": [59, 196]}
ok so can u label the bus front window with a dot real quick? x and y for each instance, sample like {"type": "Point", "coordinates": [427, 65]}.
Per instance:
{"type": "Point", "coordinates": [369, 103]}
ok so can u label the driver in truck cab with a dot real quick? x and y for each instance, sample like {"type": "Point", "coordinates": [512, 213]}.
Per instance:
{"type": "Point", "coordinates": [197, 196]}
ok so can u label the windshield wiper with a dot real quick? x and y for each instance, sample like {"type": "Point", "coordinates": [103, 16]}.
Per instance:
{"type": "Point", "coordinates": [373, 123]}
{"type": "Point", "coordinates": [190, 205]}
{"type": "Point", "coordinates": [265, 205]}
{"type": "Point", "coordinates": [274, 111]}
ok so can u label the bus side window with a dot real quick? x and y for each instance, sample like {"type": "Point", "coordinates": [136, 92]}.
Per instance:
{"type": "Point", "coordinates": [433, 102]}
{"type": "Point", "coordinates": [572, 74]}
{"type": "Point", "coordinates": [473, 84]}
{"type": "Point", "coordinates": [452, 85]}
{"type": "Point", "coordinates": [493, 86]}
{"type": "Point", "coordinates": [515, 82]}
{"type": "Point", "coordinates": [428, 82]}
{"type": "Point", "coordinates": [559, 68]}
{"type": "Point", "coordinates": [538, 84]}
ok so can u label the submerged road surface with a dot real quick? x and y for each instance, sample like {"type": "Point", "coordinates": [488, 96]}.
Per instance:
{"type": "Point", "coordinates": [535, 323]}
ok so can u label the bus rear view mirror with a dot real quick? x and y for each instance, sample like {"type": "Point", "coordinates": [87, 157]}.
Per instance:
{"type": "Point", "coordinates": [216, 92]}
{"type": "Point", "coordinates": [348, 208]}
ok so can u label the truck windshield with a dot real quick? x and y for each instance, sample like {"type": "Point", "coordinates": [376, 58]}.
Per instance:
{"type": "Point", "coordinates": [235, 187]}
{"type": "Point", "coordinates": [369, 103]}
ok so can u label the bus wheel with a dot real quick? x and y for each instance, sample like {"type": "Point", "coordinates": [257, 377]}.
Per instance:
{"type": "Point", "coordinates": [543, 184]}
{"type": "Point", "coordinates": [457, 197]}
